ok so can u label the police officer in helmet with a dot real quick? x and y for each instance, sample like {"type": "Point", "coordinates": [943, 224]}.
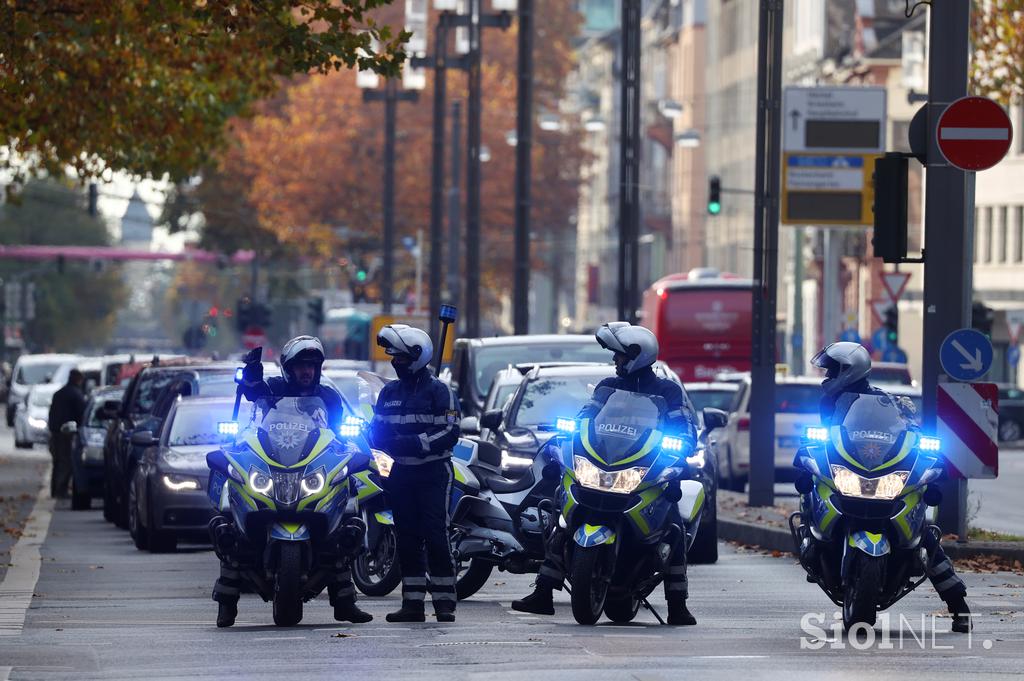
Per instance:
{"type": "Point", "coordinates": [847, 369]}
{"type": "Point", "coordinates": [416, 422]}
{"type": "Point", "coordinates": [302, 360]}
{"type": "Point", "coordinates": [635, 349]}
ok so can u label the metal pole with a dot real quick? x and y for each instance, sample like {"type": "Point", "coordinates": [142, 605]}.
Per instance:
{"type": "Point", "coordinates": [390, 104]}
{"type": "Point", "coordinates": [524, 147]}
{"type": "Point", "coordinates": [419, 272]}
{"type": "Point", "coordinates": [766, 257]}
{"type": "Point", "coordinates": [629, 177]}
{"type": "Point", "coordinates": [454, 207]}
{"type": "Point", "coordinates": [949, 229]}
{"type": "Point", "coordinates": [830, 287]}
{"type": "Point", "coordinates": [796, 334]}
{"type": "Point", "coordinates": [437, 175]}
{"type": "Point", "coordinates": [473, 175]}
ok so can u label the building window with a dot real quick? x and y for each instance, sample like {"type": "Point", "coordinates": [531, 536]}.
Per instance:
{"type": "Point", "coordinates": [1019, 228]}
{"type": "Point", "coordinates": [1004, 235]}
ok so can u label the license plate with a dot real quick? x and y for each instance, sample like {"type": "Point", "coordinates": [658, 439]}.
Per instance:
{"type": "Point", "coordinates": [789, 442]}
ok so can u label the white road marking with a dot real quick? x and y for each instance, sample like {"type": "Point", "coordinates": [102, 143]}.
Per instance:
{"type": "Point", "coordinates": [20, 581]}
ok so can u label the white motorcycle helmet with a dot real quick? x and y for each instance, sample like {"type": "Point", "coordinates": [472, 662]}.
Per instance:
{"type": "Point", "coordinates": [400, 339]}
{"type": "Point", "coordinates": [636, 342]}
{"type": "Point", "coordinates": [302, 347]}
{"type": "Point", "coordinates": [844, 363]}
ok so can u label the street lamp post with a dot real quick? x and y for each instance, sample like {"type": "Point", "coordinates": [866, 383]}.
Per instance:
{"type": "Point", "coordinates": [629, 176]}
{"type": "Point", "coordinates": [524, 146]}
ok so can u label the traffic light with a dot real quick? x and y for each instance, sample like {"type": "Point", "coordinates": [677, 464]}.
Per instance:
{"type": "Point", "coordinates": [982, 317]}
{"type": "Point", "coordinates": [890, 208]}
{"type": "Point", "coordinates": [714, 195]}
{"type": "Point", "coordinates": [892, 327]}
{"type": "Point", "coordinates": [315, 311]}
{"type": "Point", "coordinates": [361, 275]}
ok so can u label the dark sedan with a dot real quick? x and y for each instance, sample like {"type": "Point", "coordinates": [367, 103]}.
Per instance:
{"type": "Point", "coordinates": [166, 496]}
{"type": "Point", "coordinates": [1011, 413]}
{"type": "Point", "coordinates": [87, 449]}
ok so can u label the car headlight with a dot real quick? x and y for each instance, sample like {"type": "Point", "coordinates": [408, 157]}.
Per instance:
{"type": "Point", "coordinates": [619, 482]}
{"type": "Point", "coordinates": [384, 462]}
{"type": "Point", "coordinates": [260, 482]}
{"type": "Point", "coordinates": [36, 423]}
{"type": "Point", "coordinates": [180, 483]}
{"type": "Point", "coordinates": [850, 484]}
{"type": "Point", "coordinates": [313, 484]}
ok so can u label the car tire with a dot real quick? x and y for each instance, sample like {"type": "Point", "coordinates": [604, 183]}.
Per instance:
{"type": "Point", "coordinates": [138, 532]}
{"type": "Point", "coordinates": [704, 550]}
{"type": "Point", "coordinates": [731, 482]}
{"type": "Point", "coordinates": [80, 501]}
{"type": "Point", "coordinates": [1009, 431]}
{"type": "Point", "coordinates": [109, 503]}
{"type": "Point", "coordinates": [121, 506]}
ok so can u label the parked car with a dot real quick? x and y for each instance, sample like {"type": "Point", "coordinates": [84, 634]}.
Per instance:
{"type": "Point", "coordinates": [28, 371]}
{"type": "Point", "coordinates": [796, 408]}
{"type": "Point", "coordinates": [31, 418]}
{"type": "Point", "coordinates": [715, 395]}
{"type": "Point", "coordinates": [87, 449]}
{"type": "Point", "coordinates": [1011, 413]}
{"type": "Point", "coordinates": [167, 501]}
{"type": "Point", "coordinates": [147, 401]}
{"type": "Point", "coordinates": [476, 361]}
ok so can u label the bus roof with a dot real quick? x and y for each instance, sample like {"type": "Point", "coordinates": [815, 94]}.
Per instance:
{"type": "Point", "coordinates": [703, 284]}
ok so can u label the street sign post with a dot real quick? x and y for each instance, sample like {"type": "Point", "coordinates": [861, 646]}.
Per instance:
{"type": "Point", "coordinates": [1014, 322]}
{"type": "Point", "coordinates": [895, 283]}
{"type": "Point", "coordinates": [832, 136]}
{"type": "Point", "coordinates": [967, 423]}
{"type": "Point", "coordinates": [966, 355]}
{"type": "Point", "coordinates": [974, 133]}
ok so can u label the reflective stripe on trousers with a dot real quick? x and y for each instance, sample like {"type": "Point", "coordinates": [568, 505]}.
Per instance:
{"type": "Point", "coordinates": [229, 585]}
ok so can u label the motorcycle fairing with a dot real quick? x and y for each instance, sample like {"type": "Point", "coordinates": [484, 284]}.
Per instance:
{"type": "Point", "coordinates": [872, 543]}
{"type": "Point", "coordinates": [594, 535]}
{"type": "Point", "coordinates": [289, 532]}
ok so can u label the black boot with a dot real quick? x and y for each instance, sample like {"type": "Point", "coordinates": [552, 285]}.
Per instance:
{"type": "Point", "coordinates": [540, 602]}
{"type": "Point", "coordinates": [227, 611]}
{"type": "Point", "coordinates": [444, 611]}
{"type": "Point", "coordinates": [679, 614]}
{"type": "Point", "coordinates": [346, 610]}
{"type": "Point", "coordinates": [961, 615]}
{"type": "Point", "coordinates": [409, 612]}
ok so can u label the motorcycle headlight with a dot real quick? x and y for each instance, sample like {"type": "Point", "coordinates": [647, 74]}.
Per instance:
{"type": "Point", "coordinates": [619, 482]}
{"type": "Point", "coordinates": [384, 462]}
{"type": "Point", "coordinates": [313, 484]}
{"type": "Point", "coordinates": [260, 482]}
{"type": "Point", "coordinates": [180, 483]}
{"type": "Point", "coordinates": [850, 484]}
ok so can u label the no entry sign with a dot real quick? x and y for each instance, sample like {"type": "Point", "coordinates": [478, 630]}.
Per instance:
{"type": "Point", "coordinates": [974, 133]}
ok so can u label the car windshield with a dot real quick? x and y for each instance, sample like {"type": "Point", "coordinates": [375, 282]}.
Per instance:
{"type": "Point", "coordinates": [31, 374]}
{"type": "Point", "coordinates": [501, 395]}
{"type": "Point", "coordinates": [149, 388]}
{"type": "Point", "coordinates": [198, 424]}
{"type": "Point", "coordinates": [96, 408]}
{"type": "Point", "coordinates": [797, 399]}
{"type": "Point", "coordinates": [716, 399]}
{"type": "Point", "coordinates": [872, 426]}
{"type": "Point", "coordinates": [292, 425]}
{"type": "Point", "coordinates": [623, 422]}
{"type": "Point", "coordinates": [549, 397]}
{"type": "Point", "coordinates": [41, 398]}
{"type": "Point", "coordinates": [217, 385]}
{"type": "Point", "coordinates": [492, 359]}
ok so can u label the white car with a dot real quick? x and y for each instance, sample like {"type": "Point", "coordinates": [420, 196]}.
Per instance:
{"type": "Point", "coordinates": [31, 420]}
{"type": "Point", "coordinates": [796, 409]}
{"type": "Point", "coordinates": [28, 371]}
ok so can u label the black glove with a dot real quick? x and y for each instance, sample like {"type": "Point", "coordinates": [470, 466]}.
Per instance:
{"type": "Point", "coordinates": [252, 373]}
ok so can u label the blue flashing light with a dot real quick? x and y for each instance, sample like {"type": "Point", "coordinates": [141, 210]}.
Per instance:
{"type": "Point", "coordinates": [816, 434]}
{"type": "Point", "coordinates": [566, 425]}
{"type": "Point", "coordinates": [671, 443]}
{"type": "Point", "coordinates": [930, 444]}
{"type": "Point", "coordinates": [351, 427]}
{"type": "Point", "coordinates": [238, 374]}
{"type": "Point", "coordinates": [227, 428]}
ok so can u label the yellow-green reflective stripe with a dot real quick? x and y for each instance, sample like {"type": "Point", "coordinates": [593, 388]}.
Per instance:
{"type": "Point", "coordinates": [340, 467]}
{"type": "Point", "coordinates": [254, 443]}
{"type": "Point", "coordinates": [245, 495]}
{"type": "Point", "coordinates": [874, 536]}
{"type": "Point", "coordinates": [569, 501]}
{"type": "Point", "coordinates": [369, 487]}
{"type": "Point", "coordinates": [908, 445]}
{"type": "Point", "coordinates": [326, 438]}
{"type": "Point", "coordinates": [910, 502]}
{"type": "Point", "coordinates": [652, 441]}
{"type": "Point", "coordinates": [837, 440]}
{"type": "Point", "coordinates": [647, 497]}
{"type": "Point", "coordinates": [460, 475]}
{"type": "Point", "coordinates": [291, 528]}
{"type": "Point", "coordinates": [699, 504]}
{"type": "Point", "coordinates": [585, 440]}
{"type": "Point", "coordinates": [245, 489]}
{"type": "Point", "coordinates": [335, 491]}
{"type": "Point", "coordinates": [825, 492]}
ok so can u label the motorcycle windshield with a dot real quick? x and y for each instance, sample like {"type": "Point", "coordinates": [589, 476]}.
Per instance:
{"type": "Point", "coordinates": [873, 430]}
{"type": "Point", "coordinates": [625, 421]}
{"type": "Point", "coordinates": [290, 426]}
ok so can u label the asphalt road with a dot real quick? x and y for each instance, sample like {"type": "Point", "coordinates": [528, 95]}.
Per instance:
{"type": "Point", "coordinates": [101, 609]}
{"type": "Point", "coordinates": [997, 504]}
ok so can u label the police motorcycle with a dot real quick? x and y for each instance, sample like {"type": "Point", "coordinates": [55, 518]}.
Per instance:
{"type": "Point", "coordinates": [865, 485]}
{"type": "Point", "coordinates": [375, 571]}
{"type": "Point", "coordinates": [282, 482]}
{"type": "Point", "coordinates": [495, 522]}
{"type": "Point", "coordinates": [622, 474]}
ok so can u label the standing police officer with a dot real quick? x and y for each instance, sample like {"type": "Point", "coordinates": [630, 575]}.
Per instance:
{"type": "Point", "coordinates": [416, 423]}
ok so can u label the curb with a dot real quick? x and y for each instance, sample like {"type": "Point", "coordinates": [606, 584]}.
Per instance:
{"type": "Point", "coordinates": [777, 539]}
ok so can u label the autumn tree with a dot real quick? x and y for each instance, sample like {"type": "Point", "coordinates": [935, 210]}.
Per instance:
{"type": "Point", "coordinates": [997, 38]}
{"type": "Point", "coordinates": [147, 87]}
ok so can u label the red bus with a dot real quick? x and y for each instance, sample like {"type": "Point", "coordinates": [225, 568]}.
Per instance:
{"type": "Point", "coordinates": [703, 321]}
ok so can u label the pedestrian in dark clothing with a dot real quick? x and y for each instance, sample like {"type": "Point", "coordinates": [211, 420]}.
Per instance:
{"type": "Point", "coordinates": [68, 405]}
{"type": "Point", "coordinates": [416, 422]}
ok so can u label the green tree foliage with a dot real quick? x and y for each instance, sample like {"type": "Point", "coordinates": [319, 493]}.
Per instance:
{"type": "Point", "coordinates": [997, 37]}
{"type": "Point", "coordinates": [148, 87]}
{"type": "Point", "coordinates": [75, 308]}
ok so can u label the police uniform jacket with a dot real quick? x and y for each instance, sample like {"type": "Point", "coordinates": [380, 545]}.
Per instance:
{"type": "Point", "coordinates": [416, 419]}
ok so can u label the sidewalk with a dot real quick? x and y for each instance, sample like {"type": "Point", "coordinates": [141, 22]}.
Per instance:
{"type": "Point", "coordinates": [768, 528]}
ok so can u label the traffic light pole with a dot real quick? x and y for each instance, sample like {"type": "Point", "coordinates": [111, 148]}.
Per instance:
{"type": "Point", "coordinates": [629, 173]}
{"type": "Point", "coordinates": [949, 229]}
{"type": "Point", "coordinates": [524, 147]}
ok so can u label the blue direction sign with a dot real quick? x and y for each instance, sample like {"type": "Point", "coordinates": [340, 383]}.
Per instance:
{"type": "Point", "coordinates": [966, 355]}
{"type": "Point", "coordinates": [893, 353]}
{"type": "Point", "coordinates": [879, 340]}
{"type": "Point", "coordinates": [849, 335]}
{"type": "Point", "coordinates": [1013, 355]}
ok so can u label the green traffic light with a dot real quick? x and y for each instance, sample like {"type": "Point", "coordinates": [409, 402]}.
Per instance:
{"type": "Point", "coordinates": [714, 207]}
{"type": "Point", "coordinates": [361, 275]}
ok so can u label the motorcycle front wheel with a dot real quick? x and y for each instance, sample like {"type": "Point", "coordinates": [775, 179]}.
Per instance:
{"type": "Point", "coordinates": [860, 595]}
{"type": "Point", "coordinates": [590, 574]}
{"type": "Point", "coordinates": [288, 586]}
{"type": "Point", "coordinates": [377, 573]}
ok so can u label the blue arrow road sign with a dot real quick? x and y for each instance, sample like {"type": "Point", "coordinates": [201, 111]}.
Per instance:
{"type": "Point", "coordinates": [966, 355]}
{"type": "Point", "coordinates": [849, 335]}
{"type": "Point", "coordinates": [879, 340]}
{"type": "Point", "coordinates": [893, 353]}
{"type": "Point", "coordinates": [1013, 355]}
